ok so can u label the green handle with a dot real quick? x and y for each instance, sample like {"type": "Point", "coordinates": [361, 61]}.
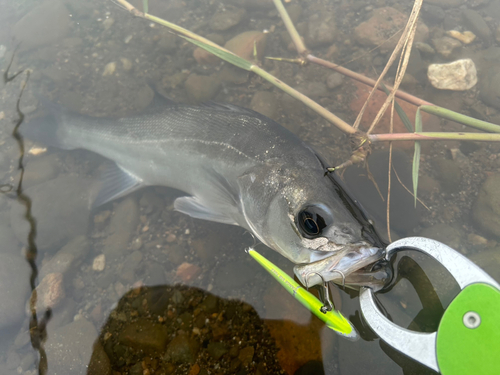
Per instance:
{"type": "Point", "coordinates": [468, 337]}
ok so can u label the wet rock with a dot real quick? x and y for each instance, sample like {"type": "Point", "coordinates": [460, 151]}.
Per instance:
{"type": "Point", "coordinates": [41, 169]}
{"type": "Point", "coordinates": [243, 44]}
{"type": "Point", "coordinates": [313, 89]}
{"type": "Point", "coordinates": [45, 24]}
{"type": "Point", "coordinates": [446, 3]}
{"type": "Point", "coordinates": [121, 228]}
{"type": "Point", "coordinates": [334, 80]}
{"type": "Point", "coordinates": [69, 348]}
{"type": "Point", "coordinates": [132, 261]}
{"type": "Point", "coordinates": [203, 57]}
{"type": "Point", "coordinates": [444, 233]}
{"type": "Point", "coordinates": [14, 288]}
{"type": "Point", "coordinates": [201, 88]}
{"type": "Point", "coordinates": [321, 30]}
{"type": "Point", "coordinates": [49, 293]}
{"type": "Point", "coordinates": [425, 49]}
{"type": "Point", "coordinates": [489, 87]}
{"type": "Point", "coordinates": [61, 208]}
{"type": "Point", "coordinates": [486, 210]}
{"type": "Point", "coordinates": [445, 45]}
{"type": "Point", "coordinates": [449, 174]}
{"type": "Point", "coordinates": [246, 355]}
{"type": "Point", "coordinates": [187, 271]}
{"type": "Point", "coordinates": [182, 349]}
{"type": "Point", "coordinates": [68, 258]}
{"type": "Point", "coordinates": [9, 242]}
{"type": "Point", "coordinates": [384, 23]}
{"type": "Point", "coordinates": [467, 37]}
{"type": "Point", "coordinates": [99, 263]}
{"type": "Point", "coordinates": [217, 349]}
{"type": "Point", "coordinates": [474, 22]}
{"type": "Point", "coordinates": [99, 362]}
{"type": "Point", "coordinates": [458, 75]}
{"type": "Point", "coordinates": [225, 20]}
{"type": "Point", "coordinates": [176, 254]}
{"type": "Point", "coordinates": [432, 14]}
{"type": "Point", "coordinates": [265, 102]}
{"type": "Point", "coordinates": [144, 336]}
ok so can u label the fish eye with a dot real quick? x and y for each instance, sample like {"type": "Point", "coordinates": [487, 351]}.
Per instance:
{"type": "Point", "coordinates": [311, 221]}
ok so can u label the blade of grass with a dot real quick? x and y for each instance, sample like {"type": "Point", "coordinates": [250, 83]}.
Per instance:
{"type": "Point", "coordinates": [463, 119]}
{"type": "Point", "coordinates": [402, 114]}
{"type": "Point", "coordinates": [145, 6]}
{"type": "Point", "coordinates": [416, 156]}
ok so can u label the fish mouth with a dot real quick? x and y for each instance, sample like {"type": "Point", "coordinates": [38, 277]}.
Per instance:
{"type": "Point", "coordinates": [354, 266]}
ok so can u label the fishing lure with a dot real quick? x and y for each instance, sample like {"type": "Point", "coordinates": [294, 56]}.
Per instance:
{"type": "Point", "coordinates": [333, 318]}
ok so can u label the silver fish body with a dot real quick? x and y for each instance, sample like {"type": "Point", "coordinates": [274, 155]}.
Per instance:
{"type": "Point", "coordinates": [237, 167]}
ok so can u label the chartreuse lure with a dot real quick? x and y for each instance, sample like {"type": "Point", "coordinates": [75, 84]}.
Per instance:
{"type": "Point", "coordinates": [333, 319]}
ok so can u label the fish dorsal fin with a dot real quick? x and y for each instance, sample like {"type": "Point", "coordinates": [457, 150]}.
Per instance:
{"type": "Point", "coordinates": [115, 183]}
{"type": "Point", "coordinates": [193, 207]}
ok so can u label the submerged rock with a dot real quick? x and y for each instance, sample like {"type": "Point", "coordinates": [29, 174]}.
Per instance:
{"type": "Point", "coordinates": [182, 349]}
{"type": "Point", "coordinates": [243, 44]}
{"type": "Point", "coordinates": [476, 24]}
{"type": "Point", "coordinates": [14, 288]}
{"type": "Point", "coordinates": [458, 75]}
{"type": "Point", "coordinates": [490, 87]}
{"type": "Point", "coordinates": [202, 88]}
{"type": "Point", "coordinates": [225, 20]}
{"type": "Point", "coordinates": [486, 210]}
{"type": "Point", "coordinates": [61, 208]}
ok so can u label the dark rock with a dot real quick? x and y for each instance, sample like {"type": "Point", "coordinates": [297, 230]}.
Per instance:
{"type": "Point", "coordinates": [14, 288]}
{"type": "Point", "coordinates": [68, 258]}
{"type": "Point", "coordinates": [122, 226]}
{"type": "Point", "coordinates": [69, 349]}
{"type": "Point", "coordinates": [182, 349]}
{"type": "Point", "coordinates": [176, 254]}
{"type": "Point", "coordinates": [129, 266]}
{"type": "Point", "coordinates": [449, 174]}
{"type": "Point", "coordinates": [313, 89]}
{"type": "Point", "coordinates": [432, 14]}
{"type": "Point", "coordinates": [217, 349]}
{"type": "Point", "coordinates": [61, 208]}
{"type": "Point", "coordinates": [144, 336]}
{"type": "Point", "coordinates": [45, 24]}
{"type": "Point", "coordinates": [210, 304]}
{"type": "Point", "coordinates": [246, 355]}
{"type": "Point", "coordinates": [476, 24]}
{"type": "Point", "coordinates": [486, 210]}
{"type": "Point", "coordinates": [444, 233]}
{"type": "Point", "coordinates": [99, 362]}
{"type": "Point", "coordinates": [225, 20]}
{"type": "Point", "coordinates": [201, 88]}
{"type": "Point", "coordinates": [265, 102]}
{"type": "Point", "coordinates": [489, 86]}
{"type": "Point", "coordinates": [321, 30]}
{"type": "Point", "coordinates": [310, 368]}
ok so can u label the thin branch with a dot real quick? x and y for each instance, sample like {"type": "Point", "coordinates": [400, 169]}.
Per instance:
{"type": "Point", "coordinates": [297, 40]}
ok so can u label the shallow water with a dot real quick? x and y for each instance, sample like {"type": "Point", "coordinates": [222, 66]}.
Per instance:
{"type": "Point", "coordinates": [136, 287]}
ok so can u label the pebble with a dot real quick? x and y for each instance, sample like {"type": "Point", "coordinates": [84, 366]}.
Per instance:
{"type": "Point", "coordinates": [321, 29]}
{"type": "Point", "coordinates": [490, 86]}
{"type": "Point", "coordinates": [99, 263]}
{"type": "Point", "coordinates": [222, 21]}
{"type": "Point", "coordinates": [476, 24]}
{"type": "Point", "coordinates": [122, 226]}
{"type": "Point", "coordinates": [334, 80]}
{"type": "Point", "coordinates": [243, 44]}
{"type": "Point", "coordinates": [126, 63]}
{"type": "Point", "coordinates": [144, 335]}
{"type": "Point", "coordinates": [201, 88]}
{"type": "Point", "coordinates": [445, 45]}
{"type": "Point", "coordinates": [107, 23]}
{"type": "Point", "coordinates": [458, 75]}
{"type": "Point", "coordinates": [68, 258]}
{"type": "Point", "coordinates": [187, 271]}
{"type": "Point", "coordinates": [109, 69]}
{"type": "Point", "coordinates": [382, 25]}
{"type": "Point", "coordinates": [425, 48]}
{"type": "Point", "coordinates": [486, 209]}
{"type": "Point", "coordinates": [217, 349]}
{"type": "Point", "coordinates": [466, 37]}
{"type": "Point", "coordinates": [49, 293]}
{"type": "Point", "coordinates": [182, 349]}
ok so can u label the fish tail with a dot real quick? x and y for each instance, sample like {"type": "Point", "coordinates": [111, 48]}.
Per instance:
{"type": "Point", "coordinates": [47, 130]}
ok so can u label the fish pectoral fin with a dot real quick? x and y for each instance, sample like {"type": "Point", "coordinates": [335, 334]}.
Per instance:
{"type": "Point", "coordinates": [115, 183]}
{"type": "Point", "coordinates": [193, 207]}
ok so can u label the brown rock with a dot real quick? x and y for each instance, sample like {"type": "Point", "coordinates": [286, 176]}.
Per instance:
{"type": "Point", "coordinates": [384, 23]}
{"type": "Point", "coordinates": [243, 44]}
{"type": "Point", "coordinates": [145, 336]}
{"type": "Point", "coordinates": [187, 271]}
{"type": "Point", "coordinates": [203, 57]}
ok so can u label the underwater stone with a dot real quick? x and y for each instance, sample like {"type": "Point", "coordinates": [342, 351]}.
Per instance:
{"type": "Point", "coordinates": [458, 75]}
{"type": "Point", "coordinates": [182, 349]}
{"type": "Point", "coordinates": [486, 210]}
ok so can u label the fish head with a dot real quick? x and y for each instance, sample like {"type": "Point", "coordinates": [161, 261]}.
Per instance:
{"type": "Point", "coordinates": [311, 220]}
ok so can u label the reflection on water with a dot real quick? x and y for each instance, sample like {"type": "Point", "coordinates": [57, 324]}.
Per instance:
{"type": "Point", "coordinates": [97, 268]}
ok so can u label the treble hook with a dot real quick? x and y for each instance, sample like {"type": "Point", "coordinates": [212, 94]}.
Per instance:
{"type": "Point", "coordinates": [324, 294]}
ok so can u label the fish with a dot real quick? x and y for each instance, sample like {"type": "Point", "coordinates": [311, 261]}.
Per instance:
{"type": "Point", "coordinates": [236, 167]}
